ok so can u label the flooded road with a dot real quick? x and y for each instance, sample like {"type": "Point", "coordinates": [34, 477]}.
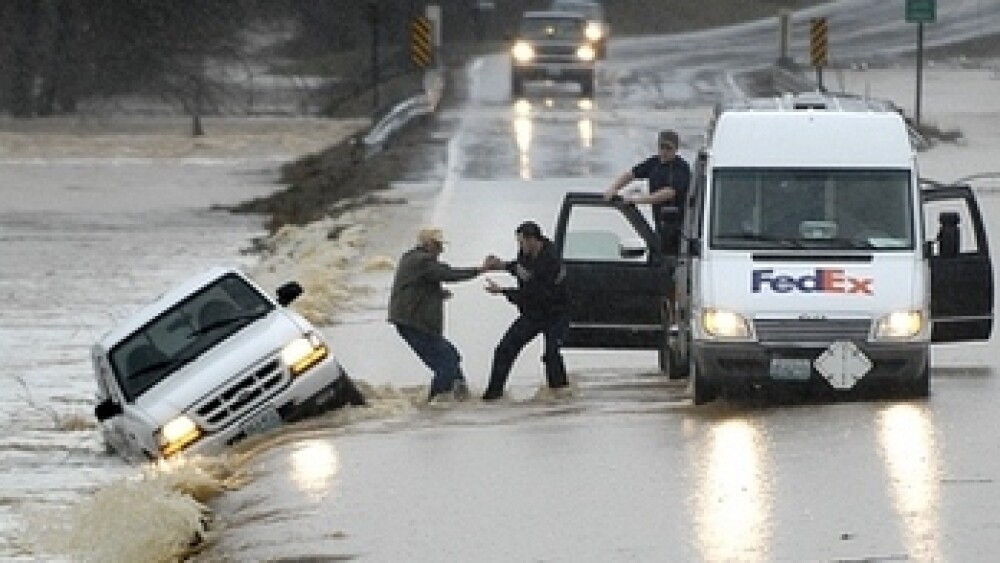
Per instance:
{"type": "Point", "coordinates": [623, 468]}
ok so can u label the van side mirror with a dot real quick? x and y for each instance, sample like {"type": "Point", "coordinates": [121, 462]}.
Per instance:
{"type": "Point", "coordinates": [289, 292]}
{"type": "Point", "coordinates": [107, 409]}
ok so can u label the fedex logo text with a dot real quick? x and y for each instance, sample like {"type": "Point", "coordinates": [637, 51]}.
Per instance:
{"type": "Point", "coordinates": [822, 280]}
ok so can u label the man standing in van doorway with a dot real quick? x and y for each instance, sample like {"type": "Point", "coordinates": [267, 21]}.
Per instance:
{"type": "Point", "coordinates": [416, 309]}
{"type": "Point", "coordinates": [668, 176]}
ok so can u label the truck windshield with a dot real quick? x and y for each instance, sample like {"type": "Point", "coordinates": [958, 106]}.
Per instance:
{"type": "Point", "coordinates": [554, 27]}
{"type": "Point", "coordinates": [777, 208]}
{"type": "Point", "coordinates": [184, 332]}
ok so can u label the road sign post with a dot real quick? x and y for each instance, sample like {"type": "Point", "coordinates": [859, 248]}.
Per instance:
{"type": "Point", "coordinates": [920, 12]}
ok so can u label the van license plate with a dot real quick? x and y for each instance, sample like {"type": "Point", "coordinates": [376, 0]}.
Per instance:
{"type": "Point", "coordinates": [791, 369]}
{"type": "Point", "coordinates": [267, 419]}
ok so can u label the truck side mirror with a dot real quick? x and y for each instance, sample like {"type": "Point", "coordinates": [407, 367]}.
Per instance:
{"type": "Point", "coordinates": [289, 292]}
{"type": "Point", "coordinates": [107, 409]}
{"type": "Point", "coordinates": [948, 235]}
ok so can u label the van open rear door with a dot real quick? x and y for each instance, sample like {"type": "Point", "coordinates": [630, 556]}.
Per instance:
{"type": "Point", "coordinates": [618, 278]}
{"type": "Point", "coordinates": [961, 272]}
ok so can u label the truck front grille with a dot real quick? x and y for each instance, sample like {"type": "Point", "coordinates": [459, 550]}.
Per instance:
{"type": "Point", "coordinates": [242, 394]}
{"type": "Point", "coordinates": [805, 331]}
{"type": "Point", "coordinates": [556, 51]}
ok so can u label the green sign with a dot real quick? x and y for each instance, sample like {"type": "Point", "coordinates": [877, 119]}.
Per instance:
{"type": "Point", "coordinates": [921, 11]}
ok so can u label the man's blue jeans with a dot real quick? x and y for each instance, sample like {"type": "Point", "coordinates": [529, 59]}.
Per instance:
{"type": "Point", "coordinates": [438, 354]}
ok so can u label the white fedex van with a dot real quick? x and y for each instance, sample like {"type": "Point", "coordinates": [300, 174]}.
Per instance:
{"type": "Point", "coordinates": [209, 363]}
{"type": "Point", "coordinates": [806, 256]}
{"type": "Point", "coordinates": [811, 255]}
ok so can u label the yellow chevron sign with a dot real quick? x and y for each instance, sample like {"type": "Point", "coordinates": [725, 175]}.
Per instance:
{"type": "Point", "coordinates": [421, 49]}
{"type": "Point", "coordinates": [818, 41]}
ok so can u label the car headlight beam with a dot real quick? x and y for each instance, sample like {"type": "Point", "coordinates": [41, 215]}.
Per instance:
{"type": "Point", "coordinates": [303, 353]}
{"type": "Point", "coordinates": [178, 434]}
{"type": "Point", "coordinates": [585, 53]}
{"type": "Point", "coordinates": [593, 31]}
{"type": "Point", "coordinates": [900, 325]}
{"type": "Point", "coordinates": [725, 324]}
{"type": "Point", "coordinates": [522, 52]}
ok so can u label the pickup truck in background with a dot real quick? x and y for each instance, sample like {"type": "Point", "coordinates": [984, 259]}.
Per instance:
{"type": "Point", "coordinates": [810, 256]}
{"type": "Point", "coordinates": [553, 46]}
{"type": "Point", "coordinates": [597, 30]}
{"type": "Point", "coordinates": [209, 363]}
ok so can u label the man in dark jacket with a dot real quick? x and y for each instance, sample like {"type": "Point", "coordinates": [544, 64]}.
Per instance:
{"type": "Point", "coordinates": [416, 308]}
{"type": "Point", "coordinates": [543, 303]}
{"type": "Point", "coordinates": [668, 176]}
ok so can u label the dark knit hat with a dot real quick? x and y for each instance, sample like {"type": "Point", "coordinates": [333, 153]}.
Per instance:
{"type": "Point", "coordinates": [529, 229]}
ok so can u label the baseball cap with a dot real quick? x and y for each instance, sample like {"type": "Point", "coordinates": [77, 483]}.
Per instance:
{"type": "Point", "coordinates": [430, 234]}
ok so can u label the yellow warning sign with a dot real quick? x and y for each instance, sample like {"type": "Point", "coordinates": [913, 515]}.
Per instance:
{"type": "Point", "coordinates": [818, 41]}
{"type": "Point", "coordinates": [421, 49]}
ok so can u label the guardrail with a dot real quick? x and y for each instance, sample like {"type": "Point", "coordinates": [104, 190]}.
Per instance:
{"type": "Point", "coordinates": [402, 113]}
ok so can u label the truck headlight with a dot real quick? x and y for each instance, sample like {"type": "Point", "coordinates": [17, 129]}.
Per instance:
{"type": "Point", "coordinates": [725, 324]}
{"type": "Point", "coordinates": [900, 325]}
{"type": "Point", "coordinates": [585, 53]}
{"type": "Point", "coordinates": [303, 353]}
{"type": "Point", "coordinates": [593, 31]}
{"type": "Point", "coordinates": [178, 434]}
{"type": "Point", "coordinates": [522, 52]}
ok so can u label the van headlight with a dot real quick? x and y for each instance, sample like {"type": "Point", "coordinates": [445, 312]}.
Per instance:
{"type": "Point", "coordinates": [585, 53]}
{"type": "Point", "coordinates": [522, 52]}
{"type": "Point", "coordinates": [303, 353]}
{"type": "Point", "coordinates": [178, 434]}
{"type": "Point", "coordinates": [725, 324]}
{"type": "Point", "coordinates": [593, 31]}
{"type": "Point", "coordinates": [900, 325]}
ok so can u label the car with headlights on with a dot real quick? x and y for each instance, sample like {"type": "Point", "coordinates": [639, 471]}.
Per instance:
{"type": "Point", "coordinates": [597, 29]}
{"type": "Point", "coordinates": [553, 46]}
{"type": "Point", "coordinates": [209, 363]}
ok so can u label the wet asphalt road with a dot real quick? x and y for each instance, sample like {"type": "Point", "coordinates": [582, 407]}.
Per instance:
{"type": "Point", "coordinates": [626, 468]}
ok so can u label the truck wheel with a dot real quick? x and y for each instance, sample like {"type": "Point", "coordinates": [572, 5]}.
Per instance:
{"type": "Point", "coordinates": [587, 86]}
{"type": "Point", "coordinates": [516, 86]}
{"type": "Point", "coordinates": [701, 390]}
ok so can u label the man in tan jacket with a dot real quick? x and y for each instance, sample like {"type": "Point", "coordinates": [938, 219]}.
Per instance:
{"type": "Point", "coordinates": [416, 308]}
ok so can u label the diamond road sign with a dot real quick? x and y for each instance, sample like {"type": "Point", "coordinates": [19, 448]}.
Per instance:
{"type": "Point", "coordinates": [921, 11]}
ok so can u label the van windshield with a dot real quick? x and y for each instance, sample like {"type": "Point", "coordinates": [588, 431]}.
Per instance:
{"type": "Point", "coordinates": [781, 208]}
{"type": "Point", "coordinates": [184, 332]}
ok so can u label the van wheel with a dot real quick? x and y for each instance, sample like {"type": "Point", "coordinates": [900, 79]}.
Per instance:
{"type": "Point", "coordinates": [665, 359]}
{"type": "Point", "coordinates": [920, 388]}
{"type": "Point", "coordinates": [701, 390]}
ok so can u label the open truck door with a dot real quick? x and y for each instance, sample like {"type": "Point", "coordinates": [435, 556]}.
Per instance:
{"type": "Point", "coordinates": [618, 277]}
{"type": "Point", "coordinates": [961, 272]}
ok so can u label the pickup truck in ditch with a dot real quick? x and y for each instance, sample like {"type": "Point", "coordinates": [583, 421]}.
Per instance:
{"type": "Point", "coordinates": [209, 363]}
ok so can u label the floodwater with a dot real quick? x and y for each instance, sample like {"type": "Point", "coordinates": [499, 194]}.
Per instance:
{"type": "Point", "coordinates": [97, 219]}
{"type": "Point", "coordinates": [95, 224]}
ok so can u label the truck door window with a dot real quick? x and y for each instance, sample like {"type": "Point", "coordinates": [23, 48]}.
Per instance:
{"type": "Point", "coordinates": [602, 234]}
{"type": "Point", "coordinates": [813, 208]}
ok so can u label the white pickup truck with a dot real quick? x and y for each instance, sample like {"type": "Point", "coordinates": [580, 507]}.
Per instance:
{"type": "Point", "coordinates": [209, 363]}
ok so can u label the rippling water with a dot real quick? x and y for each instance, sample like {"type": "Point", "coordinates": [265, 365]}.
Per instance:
{"type": "Point", "coordinates": [95, 223]}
